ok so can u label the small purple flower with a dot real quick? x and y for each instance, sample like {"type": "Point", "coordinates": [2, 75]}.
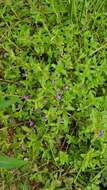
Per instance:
{"type": "Point", "coordinates": [31, 124]}
{"type": "Point", "coordinates": [45, 145]}
{"type": "Point", "coordinates": [100, 133]}
{"type": "Point", "coordinates": [58, 94]}
{"type": "Point", "coordinates": [25, 97]}
{"type": "Point", "coordinates": [13, 171]}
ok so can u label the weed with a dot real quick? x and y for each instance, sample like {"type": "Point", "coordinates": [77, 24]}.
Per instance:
{"type": "Point", "coordinates": [53, 94]}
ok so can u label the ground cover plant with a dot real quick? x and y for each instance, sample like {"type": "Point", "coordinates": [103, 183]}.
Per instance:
{"type": "Point", "coordinates": [53, 94]}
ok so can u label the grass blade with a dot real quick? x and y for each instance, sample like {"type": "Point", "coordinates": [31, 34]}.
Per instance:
{"type": "Point", "coordinates": [9, 163]}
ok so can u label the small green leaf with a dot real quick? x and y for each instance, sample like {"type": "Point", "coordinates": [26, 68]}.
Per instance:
{"type": "Point", "coordinates": [9, 163]}
{"type": "Point", "coordinates": [66, 120]}
{"type": "Point", "coordinates": [5, 103]}
{"type": "Point", "coordinates": [63, 158]}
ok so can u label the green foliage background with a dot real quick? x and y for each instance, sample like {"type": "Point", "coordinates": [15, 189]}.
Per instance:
{"type": "Point", "coordinates": [53, 93]}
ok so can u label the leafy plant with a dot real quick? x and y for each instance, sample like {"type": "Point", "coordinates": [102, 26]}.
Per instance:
{"type": "Point", "coordinates": [53, 94]}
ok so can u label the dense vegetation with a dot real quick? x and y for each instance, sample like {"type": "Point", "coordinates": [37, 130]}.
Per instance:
{"type": "Point", "coordinates": [53, 94]}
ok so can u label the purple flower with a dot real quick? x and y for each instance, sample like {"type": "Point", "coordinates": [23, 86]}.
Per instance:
{"type": "Point", "coordinates": [25, 97]}
{"type": "Point", "coordinates": [13, 171]}
{"type": "Point", "coordinates": [45, 144]}
{"type": "Point", "coordinates": [100, 133]}
{"type": "Point", "coordinates": [31, 124]}
{"type": "Point", "coordinates": [58, 94]}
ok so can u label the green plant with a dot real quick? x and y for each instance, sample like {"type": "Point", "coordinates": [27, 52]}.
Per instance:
{"type": "Point", "coordinates": [53, 94]}
{"type": "Point", "coordinates": [9, 163]}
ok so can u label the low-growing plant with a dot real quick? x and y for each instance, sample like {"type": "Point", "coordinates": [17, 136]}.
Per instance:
{"type": "Point", "coordinates": [53, 94]}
